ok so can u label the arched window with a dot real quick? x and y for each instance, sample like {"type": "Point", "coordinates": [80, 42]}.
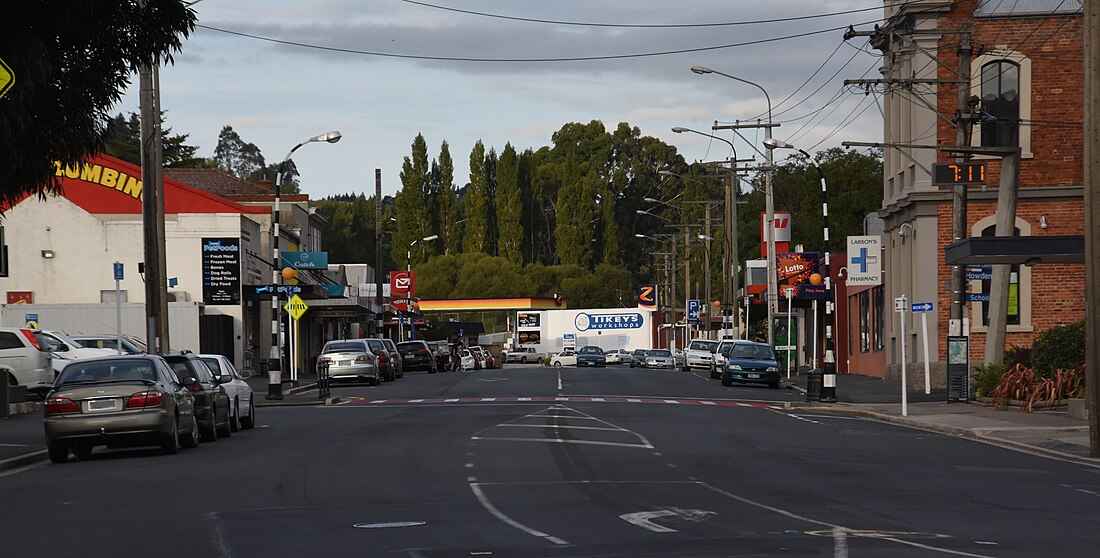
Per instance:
{"type": "Point", "coordinates": [1000, 110]}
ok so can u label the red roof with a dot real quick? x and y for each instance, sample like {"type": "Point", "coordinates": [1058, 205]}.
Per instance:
{"type": "Point", "coordinates": [216, 181]}
{"type": "Point", "coordinates": [106, 185]}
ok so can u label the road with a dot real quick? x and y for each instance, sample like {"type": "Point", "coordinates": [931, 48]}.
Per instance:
{"type": "Point", "coordinates": [532, 461]}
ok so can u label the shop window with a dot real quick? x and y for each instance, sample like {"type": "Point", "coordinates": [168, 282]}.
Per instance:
{"type": "Point", "coordinates": [878, 296]}
{"type": "Point", "coordinates": [864, 322]}
{"type": "Point", "coordinates": [1013, 287]}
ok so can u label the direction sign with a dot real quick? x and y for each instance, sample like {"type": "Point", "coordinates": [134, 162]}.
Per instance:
{"type": "Point", "coordinates": [118, 271]}
{"type": "Point", "coordinates": [7, 78]}
{"type": "Point", "coordinates": [977, 297]}
{"type": "Point", "coordinates": [693, 309]}
{"type": "Point", "coordinates": [921, 307]}
{"type": "Point", "coordinates": [296, 307]}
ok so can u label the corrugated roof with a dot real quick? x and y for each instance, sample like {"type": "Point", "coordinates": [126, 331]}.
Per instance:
{"type": "Point", "coordinates": [1028, 7]}
{"type": "Point", "coordinates": [216, 181]}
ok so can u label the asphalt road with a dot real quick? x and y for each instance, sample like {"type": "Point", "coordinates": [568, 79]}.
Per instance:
{"type": "Point", "coordinates": [614, 462]}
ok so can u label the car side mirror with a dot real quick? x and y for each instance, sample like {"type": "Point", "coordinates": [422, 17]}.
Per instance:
{"type": "Point", "coordinates": [246, 374]}
{"type": "Point", "coordinates": [225, 379]}
{"type": "Point", "coordinates": [188, 381]}
{"type": "Point", "coordinates": [63, 347]}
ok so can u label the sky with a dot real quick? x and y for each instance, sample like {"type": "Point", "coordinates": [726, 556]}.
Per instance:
{"type": "Point", "coordinates": [382, 71]}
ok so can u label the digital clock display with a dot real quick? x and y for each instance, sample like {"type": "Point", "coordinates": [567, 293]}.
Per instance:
{"type": "Point", "coordinates": [952, 174]}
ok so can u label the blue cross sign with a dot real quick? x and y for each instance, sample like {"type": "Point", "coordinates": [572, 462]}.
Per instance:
{"type": "Point", "coordinates": [864, 260]}
{"type": "Point", "coordinates": [861, 260]}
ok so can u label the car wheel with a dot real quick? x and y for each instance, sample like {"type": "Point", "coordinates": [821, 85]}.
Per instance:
{"type": "Point", "coordinates": [59, 453]}
{"type": "Point", "coordinates": [557, 364]}
{"type": "Point", "coordinates": [250, 419]}
{"type": "Point", "coordinates": [191, 440]}
{"type": "Point", "coordinates": [225, 430]}
{"type": "Point", "coordinates": [170, 444]}
{"type": "Point", "coordinates": [727, 381]}
{"type": "Point", "coordinates": [714, 375]}
{"type": "Point", "coordinates": [82, 451]}
{"type": "Point", "coordinates": [209, 432]}
{"type": "Point", "coordinates": [774, 385]}
{"type": "Point", "coordinates": [235, 419]}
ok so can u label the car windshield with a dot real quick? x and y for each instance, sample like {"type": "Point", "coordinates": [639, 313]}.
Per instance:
{"type": "Point", "coordinates": [410, 345]}
{"type": "Point", "coordinates": [591, 351]}
{"type": "Point", "coordinates": [344, 348]}
{"type": "Point", "coordinates": [214, 365]}
{"type": "Point", "coordinates": [704, 345]}
{"type": "Point", "coordinates": [760, 352]}
{"type": "Point", "coordinates": [107, 371]}
{"type": "Point", "coordinates": [660, 353]}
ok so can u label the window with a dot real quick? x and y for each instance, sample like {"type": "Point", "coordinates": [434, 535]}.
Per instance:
{"type": "Point", "coordinates": [1013, 287]}
{"type": "Point", "coordinates": [1000, 109]}
{"type": "Point", "coordinates": [878, 294]}
{"type": "Point", "coordinates": [864, 322]}
{"type": "Point", "coordinates": [10, 341]}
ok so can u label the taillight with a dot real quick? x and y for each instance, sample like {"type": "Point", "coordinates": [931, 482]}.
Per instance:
{"type": "Point", "coordinates": [30, 337]}
{"type": "Point", "coordinates": [55, 405]}
{"type": "Point", "coordinates": [423, 351]}
{"type": "Point", "coordinates": [195, 387]}
{"type": "Point", "coordinates": [363, 358]}
{"type": "Point", "coordinates": [150, 398]}
{"type": "Point", "coordinates": [383, 358]}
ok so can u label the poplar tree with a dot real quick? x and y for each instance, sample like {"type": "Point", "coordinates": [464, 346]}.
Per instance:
{"type": "Point", "coordinates": [450, 230]}
{"type": "Point", "coordinates": [476, 201]}
{"type": "Point", "coordinates": [509, 206]}
{"type": "Point", "coordinates": [412, 212]}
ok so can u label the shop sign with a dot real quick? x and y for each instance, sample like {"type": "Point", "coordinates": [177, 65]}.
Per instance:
{"type": "Point", "coordinates": [221, 271]}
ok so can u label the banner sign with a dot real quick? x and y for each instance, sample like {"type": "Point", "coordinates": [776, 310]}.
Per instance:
{"type": "Point", "coordinates": [585, 322]}
{"type": "Point", "coordinates": [647, 297]}
{"type": "Point", "coordinates": [530, 337]}
{"type": "Point", "coordinates": [221, 271]}
{"type": "Point", "coordinates": [864, 261]}
{"type": "Point", "coordinates": [304, 260]}
{"type": "Point", "coordinates": [527, 319]}
{"type": "Point", "coordinates": [800, 271]}
{"type": "Point", "coordinates": [402, 283]}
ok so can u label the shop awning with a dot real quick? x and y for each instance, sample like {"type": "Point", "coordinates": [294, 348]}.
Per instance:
{"type": "Point", "coordinates": [1016, 250]}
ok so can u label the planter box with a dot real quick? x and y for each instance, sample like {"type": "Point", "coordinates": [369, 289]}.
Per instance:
{"type": "Point", "coordinates": [1078, 408]}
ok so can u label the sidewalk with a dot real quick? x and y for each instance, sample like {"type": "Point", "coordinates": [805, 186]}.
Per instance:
{"type": "Point", "coordinates": [1050, 432]}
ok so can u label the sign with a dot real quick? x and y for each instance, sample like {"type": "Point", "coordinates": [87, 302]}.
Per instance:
{"type": "Point", "coordinates": [647, 297]}
{"type": "Point", "coordinates": [958, 365]}
{"type": "Point", "coordinates": [979, 273]}
{"type": "Point", "coordinates": [221, 271]}
{"type": "Point", "coordinates": [899, 304]}
{"type": "Point", "coordinates": [693, 309]}
{"type": "Point", "coordinates": [920, 307]}
{"type": "Point", "coordinates": [400, 304]}
{"type": "Point", "coordinates": [527, 319]}
{"type": "Point", "coordinates": [569, 341]}
{"type": "Point", "coordinates": [296, 307]}
{"type": "Point", "coordinates": [585, 322]}
{"type": "Point", "coordinates": [20, 297]}
{"type": "Point", "coordinates": [304, 260]}
{"type": "Point", "coordinates": [118, 271]}
{"type": "Point", "coordinates": [954, 174]}
{"type": "Point", "coordinates": [529, 337]}
{"type": "Point", "coordinates": [977, 297]}
{"type": "Point", "coordinates": [782, 227]}
{"type": "Point", "coordinates": [30, 321]}
{"type": "Point", "coordinates": [7, 78]}
{"type": "Point", "coordinates": [797, 271]}
{"type": "Point", "coordinates": [402, 283]}
{"type": "Point", "coordinates": [864, 262]}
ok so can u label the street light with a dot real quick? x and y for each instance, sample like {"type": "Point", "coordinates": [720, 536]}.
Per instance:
{"type": "Point", "coordinates": [644, 212]}
{"type": "Point", "coordinates": [275, 360]}
{"type": "Point", "coordinates": [409, 268]}
{"type": "Point", "coordinates": [769, 203]}
{"type": "Point", "coordinates": [729, 256]}
{"type": "Point", "coordinates": [828, 380]}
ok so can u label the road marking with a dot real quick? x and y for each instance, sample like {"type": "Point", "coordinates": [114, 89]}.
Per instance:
{"type": "Point", "coordinates": [523, 399]}
{"type": "Point", "coordinates": [13, 445]}
{"type": "Point", "coordinates": [488, 398]}
{"type": "Point", "coordinates": [707, 403]}
{"type": "Point", "coordinates": [469, 465]}
{"type": "Point", "coordinates": [378, 401]}
{"type": "Point", "coordinates": [559, 381]}
{"type": "Point", "coordinates": [597, 400]}
{"type": "Point", "coordinates": [489, 507]}
{"type": "Point", "coordinates": [803, 419]}
{"type": "Point", "coordinates": [633, 400]}
{"type": "Point", "coordinates": [416, 401]}
{"type": "Point", "coordinates": [560, 427]}
{"type": "Point", "coordinates": [389, 525]}
{"type": "Point", "coordinates": [673, 401]}
{"type": "Point", "coordinates": [645, 519]}
{"type": "Point", "coordinates": [645, 445]}
{"type": "Point", "coordinates": [571, 399]}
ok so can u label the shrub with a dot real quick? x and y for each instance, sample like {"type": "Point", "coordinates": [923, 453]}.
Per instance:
{"type": "Point", "coordinates": [987, 377]}
{"type": "Point", "coordinates": [1059, 348]}
{"type": "Point", "coordinates": [1018, 355]}
{"type": "Point", "coordinates": [1024, 384]}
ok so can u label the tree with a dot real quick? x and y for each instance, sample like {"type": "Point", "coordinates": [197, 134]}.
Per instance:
{"type": "Point", "coordinates": [72, 59]}
{"type": "Point", "coordinates": [237, 157]}
{"type": "Point", "coordinates": [476, 238]}
{"type": "Point", "coordinates": [413, 221]}
{"type": "Point", "coordinates": [123, 140]}
{"type": "Point", "coordinates": [450, 230]}
{"type": "Point", "coordinates": [510, 206]}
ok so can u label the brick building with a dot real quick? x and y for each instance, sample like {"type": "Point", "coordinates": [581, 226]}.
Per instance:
{"type": "Point", "coordinates": [1027, 71]}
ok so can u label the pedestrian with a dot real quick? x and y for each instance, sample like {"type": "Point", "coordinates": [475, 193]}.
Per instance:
{"type": "Point", "coordinates": [456, 354]}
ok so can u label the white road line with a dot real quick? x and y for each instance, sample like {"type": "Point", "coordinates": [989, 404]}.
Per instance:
{"type": "Point", "coordinates": [633, 400]}
{"type": "Point", "coordinates": [708, 403]}
{"type": "Point", "coordinates": [469, 465]}
{"type": "Point", "coordinates": [560, 427]}
{"type": "Point", "coordinates": [416, 401]}
{"type": "Point", "coordinates": [803, 419]}
{"type": "Point", "coordinates": [646, 445]}
{"type": "Point", "coordinates": [598, 400]}
{"type": "Point", "coordinates": [559, 416]}
{"type": "Point", "coordinates": [489, 507]}
{"type": "Point", "coordinates": [523, 399]}
{"type": "Point", "coordinates": [471, 479]}
{"type": "Point", "coordinates": [488, 398]}
{"type": "Point", "coordinates": [672, 401]}
{"type": "Point", "coordinates": [559, 381]}
{"type": "Point", "coordinates": [378, 401]}
{"type": "Point", "coordinates": [450, 400]}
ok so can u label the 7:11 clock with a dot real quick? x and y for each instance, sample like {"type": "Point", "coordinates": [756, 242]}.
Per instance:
{"type": "Point", "coordinates": [953, 174]}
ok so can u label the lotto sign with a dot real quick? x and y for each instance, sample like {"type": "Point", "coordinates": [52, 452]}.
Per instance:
{"type": "Point", "coordinates": [864, 262]}
{"type": "Point", "coordinates": [402, 283]}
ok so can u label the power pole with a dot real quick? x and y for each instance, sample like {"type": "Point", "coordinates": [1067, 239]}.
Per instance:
{"type": "Point", "coordinates": [1092, 227]}
{"type": "Point", "coordinates": [958, 195]}
{"type": "Point", "coordinates": [378, 247]}
{"type": "Point", "coordinates": [152, 212]}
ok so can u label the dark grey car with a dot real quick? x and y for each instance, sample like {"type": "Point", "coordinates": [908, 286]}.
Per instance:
{"type": "Point", "coordinates": [211, 400]}
{"type": "Point", "coordinates": [119, 401]}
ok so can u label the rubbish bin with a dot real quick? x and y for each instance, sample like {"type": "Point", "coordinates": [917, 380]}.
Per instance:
{"type": "Point", "coordinates": [813, 384]}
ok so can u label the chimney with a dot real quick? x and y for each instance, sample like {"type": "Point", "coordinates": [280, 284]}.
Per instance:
{"type": "Point", "coordinates": [266, 185]}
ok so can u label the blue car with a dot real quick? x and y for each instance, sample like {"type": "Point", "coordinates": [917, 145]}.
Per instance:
{"type": "Point", "coordinates": [750, 362]}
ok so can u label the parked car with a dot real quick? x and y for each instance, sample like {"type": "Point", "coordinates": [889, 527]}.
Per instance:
{"type": "Point", "coordinates": [591, 355]}
{"type": "Point", "coordinates": [352, 360]}
{"type": "Point", "coordinates": [69, 348]}
{"type": "Point", "coordinates": [679, 359]}
{"type": "Point", "coordinates": [700, 354]}
{"type": "Point", "coordinates": [720, 354]}
{"type": "Point", "coordinates": [28, 360]}
{"type": "Point", "coordinates": [242, 412]}
{"type": "Point", "coordinates": [564, 358]}
{"type": "Point", "coordinates": [523, 355]}
{"type": "Point", "coordinates": [441, 350]}
{"type": "Point", "coordinates": [396, 362]}
{"type": "Point", "coordinates": [211, 400]}
{"type": "Point", "coordinates": [119, 401]}
{"type": "Point", "coordinates": [417, 355]}
{"type": "Point", "coordinates": [637, 358]}
{"type": "Point", "coordinates": [490, 360]}
{"type": "Point", "coordinates": [751, 362]}
{"type": "Point", "coordinates": [617, 356]}
{"type": "Point", "coordinates": [467, 360]}
{"type": "Point", "coordinates": [108, 341]}
{"type": "Point", "coordinates": [481, 357]}
{"type": "Point", "coordinates": [660, 358]}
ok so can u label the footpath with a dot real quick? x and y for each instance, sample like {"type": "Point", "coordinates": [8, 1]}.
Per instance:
{"type": "Point", "coordinates": [1048, 432]}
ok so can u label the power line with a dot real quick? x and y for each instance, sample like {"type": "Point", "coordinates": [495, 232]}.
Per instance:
{"type": "Point", "coordinates": [546, 59]}
{"type": "Point", "coordinates": [638, 25]}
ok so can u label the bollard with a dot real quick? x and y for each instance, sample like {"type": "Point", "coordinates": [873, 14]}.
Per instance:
{"type": "Point", "coordinates": [813, 384]}
{"type": "Point", "coordinates": [323, 391]}
{"type": "Point", "coordinates": [274, 381]}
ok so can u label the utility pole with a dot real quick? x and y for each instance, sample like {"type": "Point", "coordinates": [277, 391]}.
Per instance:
{"type": "Point", "coordinates": [1092, 226]}
{"type": "Point", "coordinates": [706, 267]}
{"type": "Point", "coordinates": [378, 247]}
{"type": "Point", "coordinates": [958, 195]}
{"type": "Point", "coordinates": [152, 211]}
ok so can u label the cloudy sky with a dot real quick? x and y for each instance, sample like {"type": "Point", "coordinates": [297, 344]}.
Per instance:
{"type": "Point", "coordinates": [382, 71]}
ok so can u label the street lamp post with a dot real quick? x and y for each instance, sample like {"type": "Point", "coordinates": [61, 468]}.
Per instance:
{"type": "Point", "coordinates": [828, 379]}
{"type": "Point", "coordinates": [275, 360]}
{"type": "Point", "coordinates": [730, 261]}
{"type": "Point", "coordinates": [409, 269]}
{"type": "Point", "coordinates": [769, 203]}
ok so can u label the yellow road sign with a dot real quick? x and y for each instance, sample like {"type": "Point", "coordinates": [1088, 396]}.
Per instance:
{"type": "Point", "coordinates": [7, 78]}
{"type": "Point", "coordinates": [296, 307]}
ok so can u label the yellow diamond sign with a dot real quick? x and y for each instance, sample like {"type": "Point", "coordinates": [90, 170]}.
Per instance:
{"type": "Point", "coordinates": [7, 78]}
{"type": "Point", "coordinates": [296, 307]}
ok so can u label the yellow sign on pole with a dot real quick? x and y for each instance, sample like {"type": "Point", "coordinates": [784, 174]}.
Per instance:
{"type": "Point", "coordinates": [7, 78]}
{"type": "Point", "coordinates": [296, 307]}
